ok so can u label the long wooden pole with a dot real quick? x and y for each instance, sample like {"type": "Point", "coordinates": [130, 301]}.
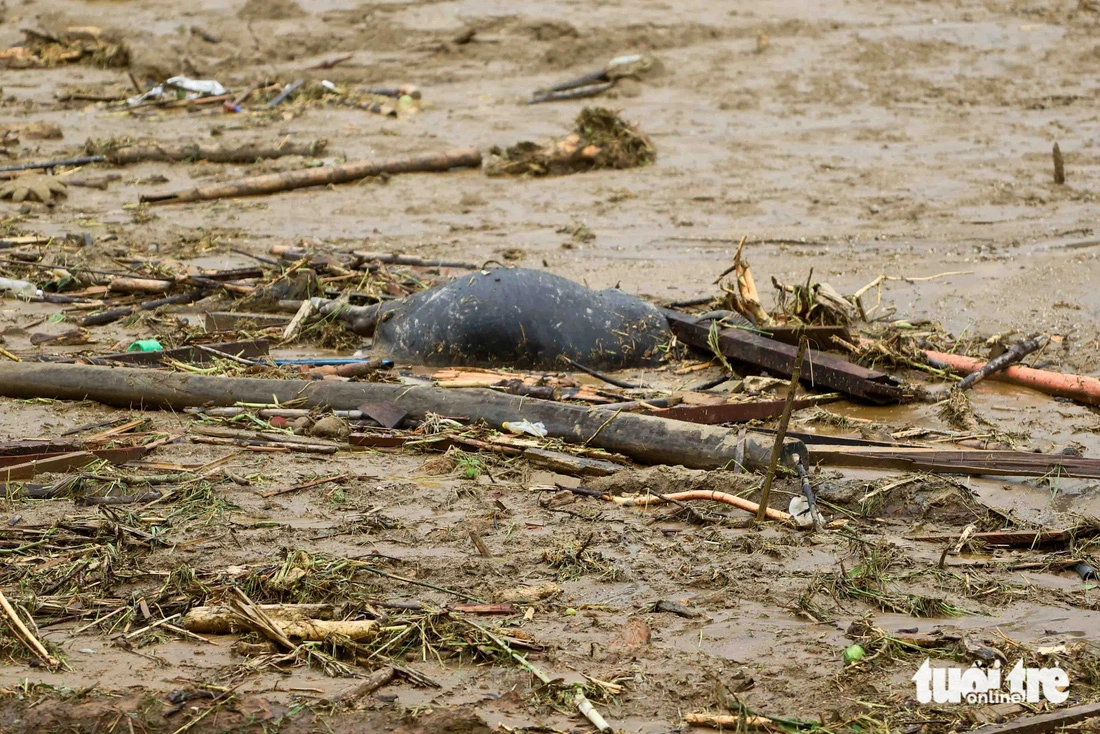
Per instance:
{"type": "Point", "coordinates": [644, 438]}
{"type": "Point", "coordinates": [275, 182]}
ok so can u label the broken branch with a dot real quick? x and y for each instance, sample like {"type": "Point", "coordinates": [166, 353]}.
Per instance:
{"type": "Point", "coordinates": [1082, 388]}
{"type": "Point", "coordinates": [276, 182]}
{"type": "Point", "coordinates": [1013, 355]}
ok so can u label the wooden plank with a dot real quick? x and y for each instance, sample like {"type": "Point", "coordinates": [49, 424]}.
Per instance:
{"type": "Point", "coordinates": [1012, 538]}
{"type": "Point", "coordinates": [774, 356]}
{"type": "Point", "coordinates": [58, 463]}
{"type": "Point", "coordinates": [562, 463]}
{"type": "Point", "coordinates": [226, 321]}
{"type": "Point", "coordinates": [820, 337]}
{"type": "Point", "coordinates": [115, 456]}
{"type": "Point", "coordinates": [760, 410]}
{"type": "Point", "coordinates": [27, 448]}
{"type": "Point", "coordinates": [833, 440]}
{"type": "Point", "coordinates": [1050, 722]}
{"type": "Point", "coordinates": [379, 440]}
{"type": "Point", "coordinates": [973, 462]}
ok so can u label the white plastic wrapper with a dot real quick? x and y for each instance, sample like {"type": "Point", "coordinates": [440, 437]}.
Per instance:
{"type": "Point", "coordinates": [538, 430]}
{"type": "Point", "coordinates": [195, 88]}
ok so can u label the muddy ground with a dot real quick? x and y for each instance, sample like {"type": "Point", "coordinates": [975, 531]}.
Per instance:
{"type": "Point", "coordinates": [854, 138]}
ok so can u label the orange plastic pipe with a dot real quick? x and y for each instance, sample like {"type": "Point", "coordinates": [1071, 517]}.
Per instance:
{"type": "Point", "coordinates": [1081, 388]}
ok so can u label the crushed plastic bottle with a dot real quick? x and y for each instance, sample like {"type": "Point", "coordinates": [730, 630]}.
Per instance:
{"type": "Point", "coordinates": [538, 430]}
{"type": "Point", "coordinates": [19, 288]}
{"type": "Point", "coordinates": [801, 512]}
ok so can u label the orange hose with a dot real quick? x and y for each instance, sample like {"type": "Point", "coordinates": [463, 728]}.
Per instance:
{"type": "Point", "coordinates": [1081, 388]}
{"type": "Point", "coordinates": [700, 494]}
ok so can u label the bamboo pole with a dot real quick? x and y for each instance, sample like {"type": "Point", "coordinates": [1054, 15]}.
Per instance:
{"type": "Point", "coordinates": [25, 635]}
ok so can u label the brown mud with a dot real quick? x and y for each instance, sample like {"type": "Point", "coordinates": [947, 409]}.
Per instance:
{"type": "Point", "coordinates": [854, 139]}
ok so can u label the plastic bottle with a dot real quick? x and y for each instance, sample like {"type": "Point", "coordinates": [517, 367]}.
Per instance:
{"type": "Point", "coordinates": [19, 288]}
{"type": "Point", "coordinates": [145, 345]}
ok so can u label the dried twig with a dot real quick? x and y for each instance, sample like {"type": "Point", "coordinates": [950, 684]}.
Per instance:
{"type": "Point", "coordinates": [601, 376]}
{"type": "Point", "coordinates": [1017, 352]}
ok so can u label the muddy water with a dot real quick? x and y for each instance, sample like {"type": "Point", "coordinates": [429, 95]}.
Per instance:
{"type": "Point", "coordinates": [856, 139]}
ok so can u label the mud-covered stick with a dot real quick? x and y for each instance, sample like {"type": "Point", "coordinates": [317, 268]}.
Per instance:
{"type": "Point", "coordinates": [781, 432]}
{"type": "Point", "coordinates": [1017, 352]}
{"type": "Point", "coordinates": [591, 90]}
{"type": "Point", "coordinates": [276, 182]}
{"type": "Point", "coordinates": [390, 258]}
{"type": "Point", "coordinates": [212, 153]}
{"type": "Point", "coordinates": [288, 90]}
{"type": "Point", "coordinates": [114, 314]}
{"type": "Point", "coordinates": [54, 164]}
{"type": "Point", "coordinates": [601, 376]}
{"type": "Point", "coordinates": [109, 316]}
{"type": "Point", "coordinates": [593, 77]}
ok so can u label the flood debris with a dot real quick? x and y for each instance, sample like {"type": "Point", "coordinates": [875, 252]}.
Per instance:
{"type": "Point", "coordinates": [1011, 356]}
{"type": "Point", "coordinates": [973, 462]}
{"type": "Point", "coordinates": [126, 152]}
{"type": "Point", "coordinates": [601, 139]}
{"type": "Point", "coordinates": [387, 462]}
{"type": "Point", "coordinates": [74, 44]}
{"type": "Point", "coordinates": [759, 351]}
{"type": "Point", "coordinates": [648, 439]}
{"type": "Point", "coordinates": [123, 152]}
{"type": "Point", "coordinates": [180, 88]}
{"type": "Point", "coordinates": [288, 90]}
{"type": "Point", "coordinates": [280, 621]}
{"type": "Point", "coordinates": [33, 187]}
{"type": "Point", "coordinates": [630, 66]}
{"type": "Point", "coordinates": [25, 635]}
{"type": "Point", "coordinates": [1082, 388]}
{"type": "Point", "coordinates": [743, 297]}
{"type": "Point", "coordinates": [47, 165]}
